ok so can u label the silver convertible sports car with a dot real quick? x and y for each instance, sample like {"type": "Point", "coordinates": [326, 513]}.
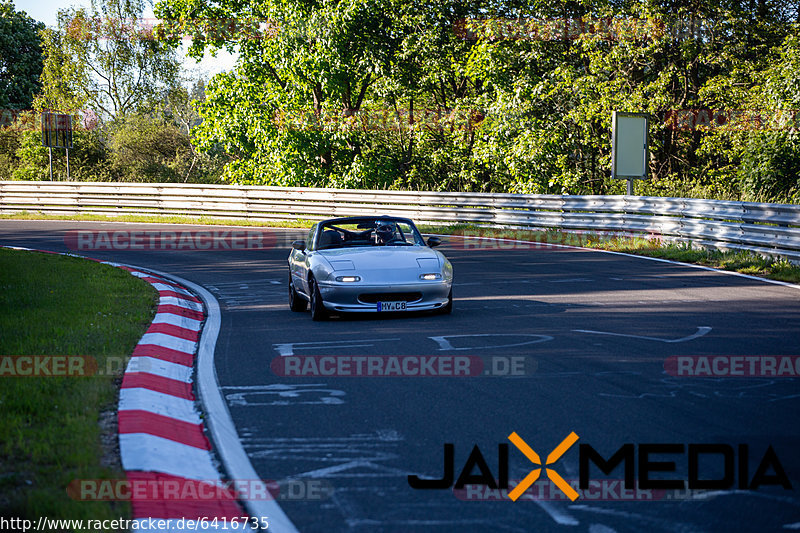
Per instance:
{"type": "Point", "coordinates": [368, 265]}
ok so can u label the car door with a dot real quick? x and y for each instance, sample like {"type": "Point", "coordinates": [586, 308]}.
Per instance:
{"type": "Point", "coordinates": [300, 263]}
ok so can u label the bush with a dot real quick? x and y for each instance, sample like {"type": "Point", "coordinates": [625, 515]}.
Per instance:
{"type": "Point", "coordinates": [770, 170]}
{"type": "Point", "coordinates": [9, 144]}
{"type": "Point", "coordinates": [148, 149]}
{"type": "Point", "coordinates": [88, 159]}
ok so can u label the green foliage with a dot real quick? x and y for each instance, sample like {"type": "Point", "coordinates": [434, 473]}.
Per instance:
{"type": "Point", "coordinates": [101, 59]}
{"type": "Point", "coordinates": [26, 159]}
{"type": "Point", "coordinates": [33, 158]}
{"type": "Point", "coordinates": [145, 148]}
{"type": "Point", "coordinates": [770, 160]}
{"type": "Point", "coordinates": [294, 110]}
{"type": "Point", "coordinates": [148, 149]}
{"type": "Point", "coordinates": [99, 64]}
{"type": "Point", "coordinates": [87, 160]}
{"type": "Point", "coordinates": [376, 94]}
{"type": "Point", "coordinates": [137, 148]}
{"type": "Point", "coordinates": [9, 144]}
{"type": "Point", "coordinates": [770, 167]}
{"type": "Point", "coordinates": [63, 78]}
{"type": "Point", "coordinates": [292, 113]}
{"type": "Point", "coordinates": [20, 57]}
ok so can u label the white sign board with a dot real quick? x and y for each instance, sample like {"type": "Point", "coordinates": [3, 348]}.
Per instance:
{"type": "Point", "coordinates": [629, 148]}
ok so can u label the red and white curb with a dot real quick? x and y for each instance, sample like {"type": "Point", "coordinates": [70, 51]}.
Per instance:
{"type": "Point", "coordinates": [161, 435]}
{"type": "Point", "coordinates": [160, 432]}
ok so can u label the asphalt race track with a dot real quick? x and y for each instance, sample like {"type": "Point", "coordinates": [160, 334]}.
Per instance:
{"type": "Point", "coordinates": [579, 339]}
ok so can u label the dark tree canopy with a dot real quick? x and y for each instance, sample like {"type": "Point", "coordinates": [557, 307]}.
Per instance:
{"type": "Point", "coordinates": [20, 58]}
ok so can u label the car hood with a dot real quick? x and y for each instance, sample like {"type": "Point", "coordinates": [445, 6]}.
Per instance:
{"type": "Point", "coordinates": [383, 257]}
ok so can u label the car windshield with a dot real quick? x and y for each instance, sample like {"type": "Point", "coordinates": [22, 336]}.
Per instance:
{"type": "Point", "coordinates": [377, 231]}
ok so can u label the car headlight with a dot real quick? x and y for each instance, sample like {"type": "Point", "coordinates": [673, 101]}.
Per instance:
{"type": "Point", "coordinates": [348, 279]}
{"type": "Point", "coordinates": [430, 277]}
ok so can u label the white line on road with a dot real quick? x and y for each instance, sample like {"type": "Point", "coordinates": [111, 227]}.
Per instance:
{"type": "Point", "coordinates": [701, 330]}
{"type": "Point", "coordinates": [444, 344]}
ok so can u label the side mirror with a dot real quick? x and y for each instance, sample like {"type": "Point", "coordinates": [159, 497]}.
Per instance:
{"type": "Point", "coordinates": [434, 241]}
{"type": "Point", "coordinates": [299, 245]}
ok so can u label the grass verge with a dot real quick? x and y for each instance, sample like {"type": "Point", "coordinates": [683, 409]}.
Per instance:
{"type": "Point", "coordinates": [209, 221]}
{"type": "Point", "coordinates": [54, 428]}
{"type": "Point", "coordinates": [736, 261]}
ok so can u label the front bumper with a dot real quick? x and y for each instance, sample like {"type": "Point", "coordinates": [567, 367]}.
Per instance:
{"type": "Point", "coordinates": [348, 297]}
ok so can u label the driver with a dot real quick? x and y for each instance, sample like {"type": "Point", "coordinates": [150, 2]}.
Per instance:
{"type": "Point", "coordinates": [384, 232]}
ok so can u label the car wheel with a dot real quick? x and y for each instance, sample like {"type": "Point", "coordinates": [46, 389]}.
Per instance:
{"type": "Point", "coordinates": [448, 308]}
{"type": "Point", "coordinates": [296, 302]}
{"type": "Point", "coordinates": [318, 311]}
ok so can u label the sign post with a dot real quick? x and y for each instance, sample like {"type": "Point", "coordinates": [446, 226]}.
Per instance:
{"type": "Point", "coordinates": [629, 147]}
{"type": "Point", "coordinates": [56, 133]}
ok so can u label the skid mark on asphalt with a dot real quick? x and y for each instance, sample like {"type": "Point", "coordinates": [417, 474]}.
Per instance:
{"type": "Point", "coordinates": [712, 388]}
{"type": "Point", "coordinates": [243, 295]}
{"type": "Point", "coordinates": [359, 507]}
{"type": "Point", "coordinates": [353, 456]}
{"type": "Point", "coordinates": [643, 521]}
{"type": "Point", "coordinates": [497, 282]}
{"type": "Point", "coordinates": [521, 303]}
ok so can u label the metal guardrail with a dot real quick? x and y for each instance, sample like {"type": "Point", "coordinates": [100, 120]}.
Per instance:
{"type": "Point", "coordinates": [768, 229]}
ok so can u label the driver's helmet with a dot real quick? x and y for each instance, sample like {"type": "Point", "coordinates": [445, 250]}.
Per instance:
{"type": "Point", "coordinates": [384, 232]}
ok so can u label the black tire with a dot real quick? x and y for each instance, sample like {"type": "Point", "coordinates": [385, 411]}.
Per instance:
{"type": "Point", "coordinates": [448, 307]}
{"type": "Point", "coordinates": [296, 302]}
{"type": "Point", "coordinates": [318, 311]}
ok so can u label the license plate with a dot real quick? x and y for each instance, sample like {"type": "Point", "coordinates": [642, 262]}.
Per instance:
{"type": "Point", "coordinates": [392, 306]}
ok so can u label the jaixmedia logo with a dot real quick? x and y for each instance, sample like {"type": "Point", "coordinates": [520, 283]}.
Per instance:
{"type": "Point", "coordinates": [645, 466]}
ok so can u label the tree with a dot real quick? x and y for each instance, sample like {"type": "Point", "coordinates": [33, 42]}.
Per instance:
{"type": "Point", "coordinates": [101, 58]}
{"type": "Point", "coordinates": [182, 104]}
{"type": "Point", "coordinates": [20, 58]}
{"type": "Point", "coordinates": [297, 109]}
{"type": "Point", "coordinates": [770, 168]}
{"type": "Point", "coordinates": [293, 111]}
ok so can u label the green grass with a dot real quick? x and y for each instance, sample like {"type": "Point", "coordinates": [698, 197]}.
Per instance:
{"type": "Point", "coordinates": [209, 221]}
{"type": "Point", "coordinates": [736, 261]}
{"type": "Point", "coordinates": [51, 426]}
